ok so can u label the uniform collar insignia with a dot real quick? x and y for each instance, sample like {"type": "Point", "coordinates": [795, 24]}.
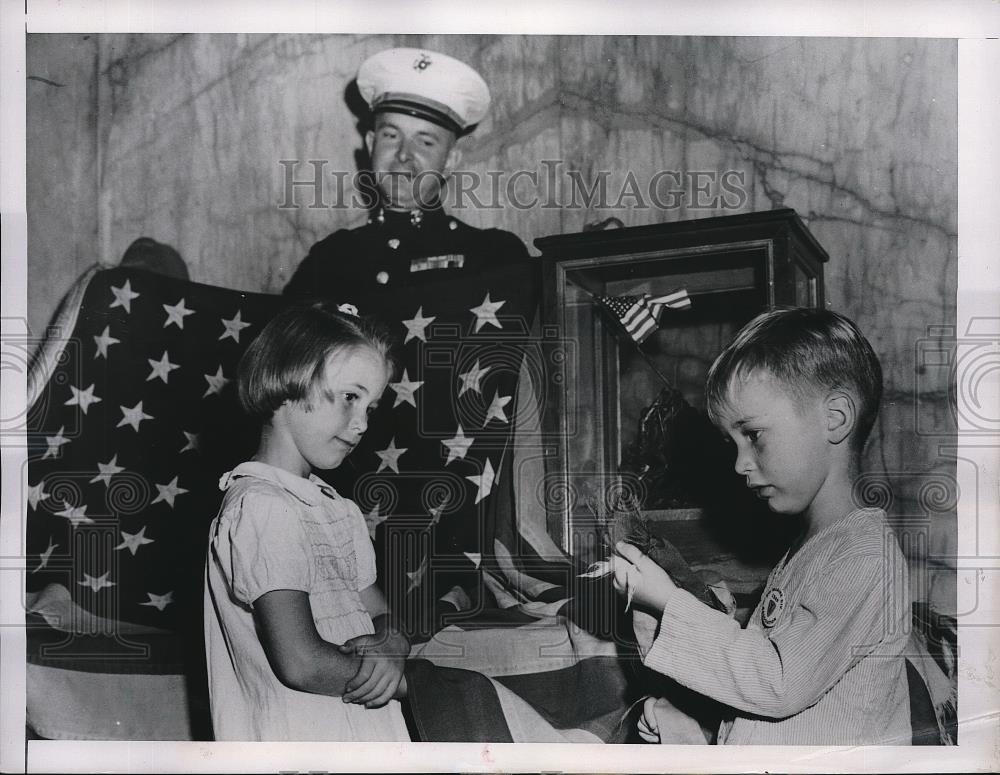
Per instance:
{"type": "Point", "coordinates": [415, 218]}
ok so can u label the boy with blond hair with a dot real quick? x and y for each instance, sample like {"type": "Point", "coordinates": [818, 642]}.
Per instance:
{"type": "Point", "coordinates": [821, 660]}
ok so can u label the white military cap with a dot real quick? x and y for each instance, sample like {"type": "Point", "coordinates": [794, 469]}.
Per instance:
{"type": "Point", "coordinates": [424, 84]}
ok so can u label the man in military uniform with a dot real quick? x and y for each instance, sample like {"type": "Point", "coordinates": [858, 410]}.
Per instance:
{"type": "Point", "coordinates": [422, 102]}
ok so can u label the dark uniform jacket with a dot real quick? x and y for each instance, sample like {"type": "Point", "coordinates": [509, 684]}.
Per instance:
{"type": "Point", "coordinates": [390, 253]}
{"type": "Point", "coordinates": [398, 249]}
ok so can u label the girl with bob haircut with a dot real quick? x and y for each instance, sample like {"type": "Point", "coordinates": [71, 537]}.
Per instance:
{"type": "Point", "coordinates": [298, 637]}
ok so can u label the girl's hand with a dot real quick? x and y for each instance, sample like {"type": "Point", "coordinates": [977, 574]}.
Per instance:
{"type": "Point", "coordinates": [639, 578]}
{"type": "Point", "coordinates": [380, 676]}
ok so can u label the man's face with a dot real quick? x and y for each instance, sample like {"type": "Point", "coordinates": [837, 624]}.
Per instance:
{"type": "Point", "coordinates": [410, 158]}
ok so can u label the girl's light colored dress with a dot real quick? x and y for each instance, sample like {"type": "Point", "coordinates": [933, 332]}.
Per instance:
{"type": "Point", "coordinates": [276, 530]}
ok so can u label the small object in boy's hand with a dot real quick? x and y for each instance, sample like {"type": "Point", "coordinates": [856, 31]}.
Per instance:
{"type": "Point", "coordinates": [620, 557]}
{"type": "Point", "coordinates": [604, 568]}
{"type": "Point", "coordinates": [631, 526]}
{"type": "Point", "coordinates": [598, 570]}
{"type": "Point", "coordinates": [629, 593]}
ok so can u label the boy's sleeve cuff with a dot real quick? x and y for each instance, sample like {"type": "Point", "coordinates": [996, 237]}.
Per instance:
{"type": "Point", "coordinates": [687, 627]}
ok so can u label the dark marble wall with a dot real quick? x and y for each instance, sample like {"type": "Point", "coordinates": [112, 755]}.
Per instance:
{"type": "Point", "coordinates": [181, 138]}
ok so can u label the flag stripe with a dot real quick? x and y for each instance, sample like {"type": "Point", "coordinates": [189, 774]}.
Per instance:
{"type": "Point", "coordinates": [452, 705]}
{"type": "Point", "coordinates": [65, 704]}
{"type": "Point", "coordinates": [153, 654]}
{"type": "Point", "coordinates": [568, 697]}
{"type": "Point", "coordinates": [642, 330]}
{"type": "Point", "coordinates": [671, 299]}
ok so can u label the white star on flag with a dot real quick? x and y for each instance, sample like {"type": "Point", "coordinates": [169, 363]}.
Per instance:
{"type": "Point", "coordinates": [44, 557]}
{"type": "Point", "coordinates": [132, 541]}
{"type": "Point", "coordinates": [484, 482]}
{"type": "Point", "coordinates": [415, 326]}
{"type": "Point", "coordinates": [96, 583]}
{"type": "Point", "coordinates": [133, 416]}
{"type": "Point", "coordinates": [75, 514]}
{"type": "Point", "coordinates": [36, 494]}
{"type": "Point", "coordinates": [405, 390]}
{"type": "Point", "coordinates": [487, 313]}
{"type": "Point", "coordinates": [55, 442]}
{"type": "Point", "coordinates": [390, 456]}
{"type": "Point", "coordinates": [417, 577]}
{"type": "Point", "coordinates": [373, 519]}
{"type": "Point", "coordinates": [193, 440]}
{"type": "Point", "coordinates": [470, 379]}
{"type": "Point", "coordinates": [436, 512]}
{"type": "Point", "coordinates": [82, 398]}
{"type": "Point", "coordinates": [233, 327]}
{"type": "Point", "coordinates": [107, 470]}
{"type": "Point", "coordinates": [216, 383]}
{"type": "Point", "coordinates": [495, 411]}
{"type": "Point", "coordinates": [457, 445]}
{"type": "Point", "coordinates": [103, 341]}
{"type": "Point", "coordinates": [176, 313]}
{"type": "Point", "coordinates": [123, 297]}
{"type": "Point", "coordinates": [159, 602]}
{"type": "Point", "coordinates": [168, 491]}
{"type": "Point", "coordinates": [161, 368]}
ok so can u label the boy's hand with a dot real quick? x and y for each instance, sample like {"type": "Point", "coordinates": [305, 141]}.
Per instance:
{"type": "Point", "coordinates": [380, 676]}
{"type": "Point", "coordinates": [648, 726]}
{"type": "Point", "coordinates": [638, 576]}
{"type": "Point", "coordinates": [662, 722]}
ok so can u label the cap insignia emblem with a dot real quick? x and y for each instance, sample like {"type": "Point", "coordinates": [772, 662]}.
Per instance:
{"type": "Point", "coordinates": [422, 63]}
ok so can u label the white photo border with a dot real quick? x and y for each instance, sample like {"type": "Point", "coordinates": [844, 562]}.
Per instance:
{"type": "Point", "coordinates": [971, 21]}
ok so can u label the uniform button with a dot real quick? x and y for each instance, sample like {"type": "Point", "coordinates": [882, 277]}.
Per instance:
{"type": "Point", "coordinates": [393, 243]}
{"type": "Point", "coordinates": [382, 278]}
{"type": "Point", "coordinates": [452, 225]}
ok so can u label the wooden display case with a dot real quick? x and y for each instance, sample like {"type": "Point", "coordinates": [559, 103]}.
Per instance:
{"type": "Point", "coordinates": [733, 267]}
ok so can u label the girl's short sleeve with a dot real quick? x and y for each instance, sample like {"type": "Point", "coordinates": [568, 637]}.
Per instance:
{"type": "Point", "coordinates": [268, 547]}
{"type": "Point", "coordinates": [363, 548]}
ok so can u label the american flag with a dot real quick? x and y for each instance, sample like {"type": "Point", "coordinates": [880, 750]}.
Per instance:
{"type": "Point", "coordinates": [138, 419]}
{"type": "Point", "coordinates": [127, 441]}
{"type": "Point", "coordinates": [434, 473]}
{"type": "Point", "coordinates": [640, 315]}
{"type": "Point", "coordinates": [134, 423]}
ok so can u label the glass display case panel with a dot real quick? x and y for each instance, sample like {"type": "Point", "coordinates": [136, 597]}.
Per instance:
{"type": "Point", "coordinates": [732, 268]}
